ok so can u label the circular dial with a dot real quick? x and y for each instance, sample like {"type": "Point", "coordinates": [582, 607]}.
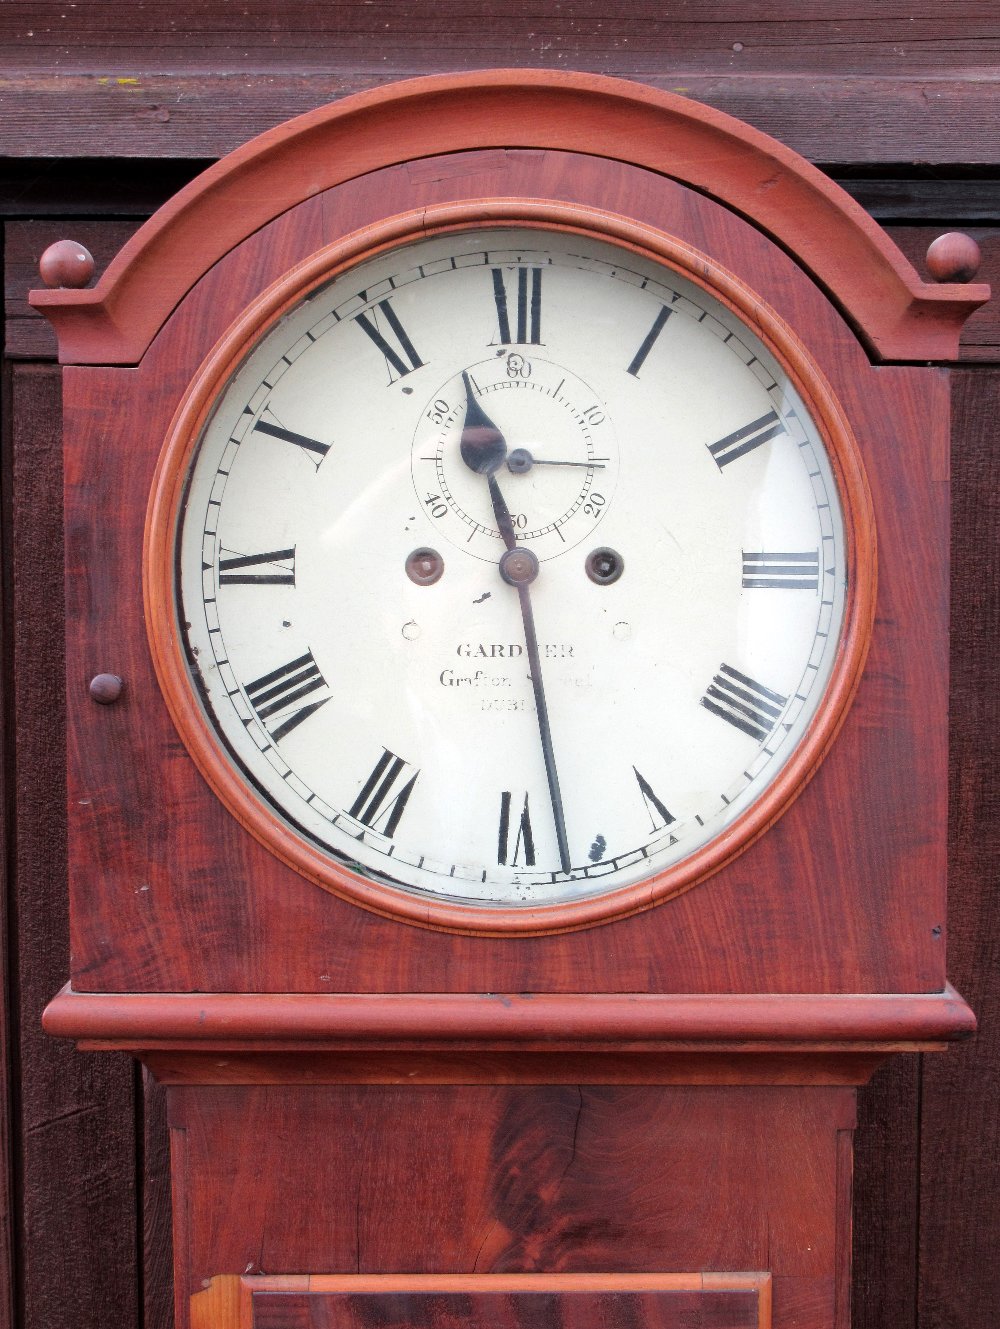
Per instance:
{"type": "Point", "coordinates": [564, 435]}
{"type": "Point", "coordinates": [511, 570]}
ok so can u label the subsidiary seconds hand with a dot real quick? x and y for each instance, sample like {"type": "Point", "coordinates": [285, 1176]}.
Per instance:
{"type": "Point", "coordinates": [484, 449]}
{"type": "Point", "coordinates": [521, 460]}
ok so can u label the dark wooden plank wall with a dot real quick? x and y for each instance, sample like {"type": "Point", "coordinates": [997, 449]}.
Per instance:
{"type": "Point", "coordinates": [203, 76]}
{"type": "Point", "coordinates": [902, 106]}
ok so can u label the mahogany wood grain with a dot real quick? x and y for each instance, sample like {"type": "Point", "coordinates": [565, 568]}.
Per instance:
{"type": "Point", "coordinates": [564, 1180]}
{"type": "Point", "coordinates": [496, 1021]}
{"type": "Point", "coordinates": [832, 238]}
{"type": "Point", "coordinates": [861, 916]}
{"type": "Point", "coordinates": [865, 84]}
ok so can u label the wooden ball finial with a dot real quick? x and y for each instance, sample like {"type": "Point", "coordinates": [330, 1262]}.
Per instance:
{"type": "Point", "coordinates": [953, 257]}
{"type": "Point", "coordinates": [66, 263]}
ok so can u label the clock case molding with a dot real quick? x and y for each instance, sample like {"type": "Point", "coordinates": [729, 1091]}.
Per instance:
{"type": "Point", "coordinates": [801, 962]}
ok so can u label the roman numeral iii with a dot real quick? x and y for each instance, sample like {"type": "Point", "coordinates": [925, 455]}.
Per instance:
{"type": "Point", "coordinates": [401, 357]}
{"type": "Point", "coordinates": [742, 441]}
{"type": "Point", "coordinates": [787, 572]}
{"type": "Point", "coordinates": [523, 841]}
{"type": "Point", "coordinates": [528, 325]}
{"type": "Point", "coordinates": [274, 695]}
{"type": "Point", "coordinates": [383, 798]}
{"type": "Point", "coordinates": [744, 703]}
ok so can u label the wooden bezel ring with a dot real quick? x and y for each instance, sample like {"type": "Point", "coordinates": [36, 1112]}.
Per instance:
{"type": "Point", "coordinates": [169, 485]}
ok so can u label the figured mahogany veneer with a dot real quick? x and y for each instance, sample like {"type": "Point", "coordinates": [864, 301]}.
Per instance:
{"type": "Point", "coordinates": [467, 1180]}
{"type": "Point", "coordinates": [844, 893]}
{"type": "Point", "coordinates": [504, 1301]}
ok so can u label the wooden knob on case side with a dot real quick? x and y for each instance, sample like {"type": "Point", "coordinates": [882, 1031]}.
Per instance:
{"type": "Point", "coordinates": [953, 257]}
{"type": "Point", "coordinates": [106, 688]}
{"type": "Point", "coordinates": [66, 263]}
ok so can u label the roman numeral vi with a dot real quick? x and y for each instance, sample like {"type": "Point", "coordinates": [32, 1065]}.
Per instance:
{"type": "Point", "coordinates": [523, 839]}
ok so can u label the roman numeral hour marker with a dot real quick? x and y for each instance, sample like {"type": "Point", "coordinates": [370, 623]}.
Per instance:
{"type": "Point", "coordinates": [273, 695]}
{"type": "Point", "coordinates": [523, 840]}
{"type": "Point", "coordinates": [394, 343]}
{"type": "Point", "coordinates": [743, 702]}
{"type": "Point", "coordinates": [788, 572]}
{"type": "Point", "coordinates": [276, 568]}
{"type": "Point", "coordinates": [383, 797]}
{"type": "Point", "coordinates": [741, 441]}
{"type": "Point", "coordinates": [528, 326]}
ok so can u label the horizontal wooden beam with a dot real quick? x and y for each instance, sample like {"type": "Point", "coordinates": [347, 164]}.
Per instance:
{"type": "Point", "coordinates": [896, 314]}
{"type": "Point", "coordinates": [858, 119]}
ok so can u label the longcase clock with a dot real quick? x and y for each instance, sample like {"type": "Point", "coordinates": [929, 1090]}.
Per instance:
{"type": "Point", "coordinates": [507, 518]}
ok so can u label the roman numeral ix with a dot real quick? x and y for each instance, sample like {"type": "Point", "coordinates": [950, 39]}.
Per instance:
{"type": "Point", "coordinates": [788, 572]}
{"type": "Point", "coordinates": [529, 306]}
{"type": "Point", "coordinates": [380, 800]}
{"type": "Point", "coordinates": [744, 440]}
{"type": "Point", "coordinates": [276, 568]}
{"type": "Point", "coordinates": [401, 357]}
{"type": "Point", "coordinates": [274, 695]}
{"type": "Point", "coordinates": [743, 703]}
{"type": "Point", "coordinates": [523, 839]}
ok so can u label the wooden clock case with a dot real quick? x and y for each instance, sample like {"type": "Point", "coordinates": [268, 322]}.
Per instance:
{"type": "Point", "coordinates": [374, 1120]}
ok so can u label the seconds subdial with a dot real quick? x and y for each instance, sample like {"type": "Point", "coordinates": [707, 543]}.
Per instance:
{"type": "Point", "coordinates": [563, 460]}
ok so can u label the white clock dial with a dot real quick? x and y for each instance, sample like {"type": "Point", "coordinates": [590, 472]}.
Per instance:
{"type": "Point", "coordinates": [511, 568]}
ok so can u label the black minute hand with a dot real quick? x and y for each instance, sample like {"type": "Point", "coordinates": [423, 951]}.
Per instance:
{"type": "Point", "coordinates": [483, 449]}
